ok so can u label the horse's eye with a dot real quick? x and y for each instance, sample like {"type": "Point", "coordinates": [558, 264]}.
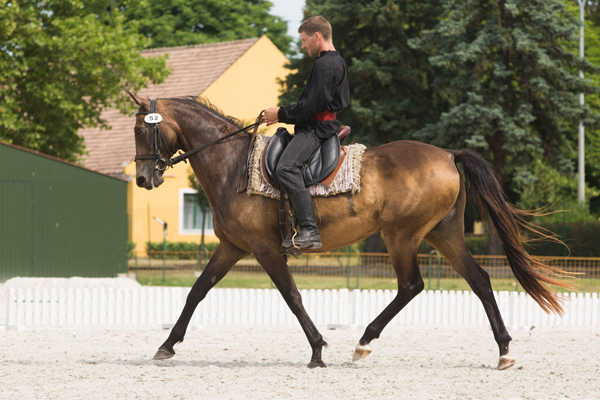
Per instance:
{"type": "Point", "coordinates": [139, 130]}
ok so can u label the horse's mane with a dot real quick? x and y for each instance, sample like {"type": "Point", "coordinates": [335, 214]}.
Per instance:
{"type": "Point", "coordinates": [210, 107]}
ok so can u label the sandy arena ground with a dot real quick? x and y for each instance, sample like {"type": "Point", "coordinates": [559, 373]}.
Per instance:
{"type": "Point", "coordinates": [270, 363]}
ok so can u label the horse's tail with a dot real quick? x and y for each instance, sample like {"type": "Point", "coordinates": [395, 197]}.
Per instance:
{"type": "Point", "coordinates": [486, 194]}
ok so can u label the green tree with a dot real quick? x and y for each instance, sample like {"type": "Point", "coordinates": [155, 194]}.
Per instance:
{"type": "Point", "coordinates": [390, 96]}
{"type": "Point", "coordinates": [592, 53]}
{"type": "Point", "coordinates": [185, 22]}
{"type": "Point", "coordinates": [61, 64]}
{"type": "Point", "coordinates": [500, 77]}
{"type": "Point", "coordinates": [509, 80]}
{"type": "Point", "coordinates": [541, 183]}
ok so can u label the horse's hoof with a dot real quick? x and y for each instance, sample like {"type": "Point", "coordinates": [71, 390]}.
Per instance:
{"type": "Point", "coordinates": [506, 362]}
{"type": "Point", "coordinates": [361, 352]}
{"type": "Point", "coordinates": [163, 354]}
{"type": "Point", "coordinates": [316, 364]}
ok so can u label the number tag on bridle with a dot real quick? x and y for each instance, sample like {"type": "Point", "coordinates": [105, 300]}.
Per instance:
{"type": "Point", "coordinates": [153, 118]}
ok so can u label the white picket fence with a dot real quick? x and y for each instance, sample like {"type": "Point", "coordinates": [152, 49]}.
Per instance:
{"type": "Point", "coordinates": [121, 307]}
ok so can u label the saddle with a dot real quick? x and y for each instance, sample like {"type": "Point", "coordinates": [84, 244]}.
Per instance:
{"type": "Point", "coordinates": [321, 163]}
{"type": "Point", "coordinates": [320, 167]}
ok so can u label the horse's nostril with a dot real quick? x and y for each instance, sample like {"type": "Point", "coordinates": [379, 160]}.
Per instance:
{"type": "Point", "coordinates": [141, 180]}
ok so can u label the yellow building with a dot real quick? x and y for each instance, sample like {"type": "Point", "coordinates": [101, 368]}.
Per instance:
{"type": "Point", "coordinates": [239, 77]}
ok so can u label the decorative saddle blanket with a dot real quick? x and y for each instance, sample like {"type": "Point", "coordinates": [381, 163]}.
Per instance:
{"type": "Point", "coordinates": [345, 177]}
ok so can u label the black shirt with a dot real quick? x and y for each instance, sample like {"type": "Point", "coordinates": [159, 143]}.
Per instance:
{"type": "Point", "coordinates": [326, 89]}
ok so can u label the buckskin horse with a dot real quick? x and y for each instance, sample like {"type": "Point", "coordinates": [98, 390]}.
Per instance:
{"type": "Point", "coordinates": [410, 191]}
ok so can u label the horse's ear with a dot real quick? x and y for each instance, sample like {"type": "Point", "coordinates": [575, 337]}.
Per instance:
{"type": "Point", "coordinates": [140, 101]}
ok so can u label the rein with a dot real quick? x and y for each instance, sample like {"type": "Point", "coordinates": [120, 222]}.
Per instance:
{"type": "Point", "coordinates": [162, 163]}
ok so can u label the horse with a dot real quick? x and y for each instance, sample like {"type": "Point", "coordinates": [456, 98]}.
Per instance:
{"type": "Point", "coordinates": [411, 191]}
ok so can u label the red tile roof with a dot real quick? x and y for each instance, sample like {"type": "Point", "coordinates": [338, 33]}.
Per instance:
{"type": "Point", "coordinates": [193, 68]}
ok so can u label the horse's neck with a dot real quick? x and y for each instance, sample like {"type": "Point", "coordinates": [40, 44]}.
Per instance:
{"type": "Point", "coordinates": [218, 167]}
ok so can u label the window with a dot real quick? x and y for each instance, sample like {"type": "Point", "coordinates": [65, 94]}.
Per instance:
{"type": "Point", "coordinates": [190, 215]}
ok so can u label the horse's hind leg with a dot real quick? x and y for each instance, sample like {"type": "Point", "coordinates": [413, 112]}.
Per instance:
{"type": "Point", "coordinates": [220, 263]}
{"type": "Point", "coordinates": [448, 238]}
{"type": "Point", "coordinates": [277, 269]}
{"type": "Point", "coordinates": [403, 254]}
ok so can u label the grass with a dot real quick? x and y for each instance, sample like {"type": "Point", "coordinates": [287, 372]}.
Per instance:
{"type": "Point", "coordinates": [237, 279]}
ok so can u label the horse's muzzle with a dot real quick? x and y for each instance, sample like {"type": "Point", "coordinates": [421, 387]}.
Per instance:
{"type": "Point", "coordinates": [149, 181]}
{"type": "Point", "coordinates": [141, 181]}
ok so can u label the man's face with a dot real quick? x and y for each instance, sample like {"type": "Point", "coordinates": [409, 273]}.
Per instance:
{"type": "Point", "coordinates": [310, 44]}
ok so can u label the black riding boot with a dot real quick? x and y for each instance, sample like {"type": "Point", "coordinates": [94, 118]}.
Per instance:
{"type": "Point", "coordinates": [308, 237]}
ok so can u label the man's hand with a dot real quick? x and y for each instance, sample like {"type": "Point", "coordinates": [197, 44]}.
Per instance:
{"type": "Point", "coordinates": [270, 116]}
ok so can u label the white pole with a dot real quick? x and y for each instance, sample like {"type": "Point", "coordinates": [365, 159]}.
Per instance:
{"type": "Point", "coordinates": [581, 158]}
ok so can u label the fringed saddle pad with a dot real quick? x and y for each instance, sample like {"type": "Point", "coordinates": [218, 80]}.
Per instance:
{"type": "Point", "coordinates": [345, 178]}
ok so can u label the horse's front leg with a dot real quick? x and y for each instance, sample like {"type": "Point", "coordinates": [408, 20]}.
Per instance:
{"type": "Point", "coordinates": [277, 269]}
{"type": "Point", "coordinates": [219, 265]}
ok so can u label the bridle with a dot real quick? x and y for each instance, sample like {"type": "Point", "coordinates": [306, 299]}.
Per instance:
{"type": "Point", "coordinates": [152, 117]}
{"type": "Point", "coordinates": [162, 163]}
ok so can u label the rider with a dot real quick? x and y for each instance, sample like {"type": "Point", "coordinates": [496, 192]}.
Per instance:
{"type": "Point", "coordinates": [325, 94]}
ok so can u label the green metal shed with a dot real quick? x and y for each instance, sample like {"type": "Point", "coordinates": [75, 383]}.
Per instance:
{"type": "Point", "coordinates": [58, 219]}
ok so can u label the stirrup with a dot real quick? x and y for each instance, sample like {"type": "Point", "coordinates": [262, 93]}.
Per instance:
{"type": "Point", "coordinates": [289, 247]}
{"type": "Point", "coordinates": [292, 251]}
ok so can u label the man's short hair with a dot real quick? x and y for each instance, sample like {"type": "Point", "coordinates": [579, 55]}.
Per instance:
{"type": "Point", "coordinates": [316, 24]}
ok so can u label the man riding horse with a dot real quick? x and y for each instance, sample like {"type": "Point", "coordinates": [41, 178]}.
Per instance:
{"type": "Point", "coordinates": [325, 94]}
{"type": "Point", "coordinates": [433, 211]}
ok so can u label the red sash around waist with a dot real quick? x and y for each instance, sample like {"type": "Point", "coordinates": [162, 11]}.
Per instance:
{"type": "Point", "coordinates": [324, 116]}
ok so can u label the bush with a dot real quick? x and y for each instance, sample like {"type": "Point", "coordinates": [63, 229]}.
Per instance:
{"type": "Point", "coordinates": [581, 237]}
{"type": "Point", "coordinates": [177, 250]}
{"type": "Point", "coordinates": [352, 248]}
{"type": "Point", "coordinates": [477, 244]}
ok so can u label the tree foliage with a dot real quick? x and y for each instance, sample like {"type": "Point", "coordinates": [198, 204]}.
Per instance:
{"type": "Point", "coordinates": [185, 22]}
{"type": "Point", "coordinates": [497, 76]}
{"type": "Point", "coordinates": [388, 79]}
{"type": "Point", "coordinates": [509, 80]}
{"type": "Point", "coordinates": [61, 64]}
{"type": "Point", "coordinates": [592, 53]}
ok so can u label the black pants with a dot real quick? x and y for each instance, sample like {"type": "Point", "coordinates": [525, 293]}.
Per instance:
{"type": "Point", "coordinates": [297, 152]}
